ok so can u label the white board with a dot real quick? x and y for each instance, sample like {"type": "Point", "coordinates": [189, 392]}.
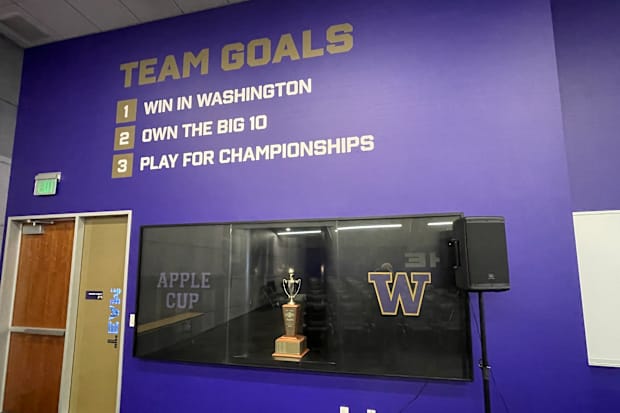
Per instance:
{"type": "Point", "coordinates": [597, 237]}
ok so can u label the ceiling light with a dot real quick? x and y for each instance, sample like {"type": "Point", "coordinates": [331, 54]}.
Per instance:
{"type": "Point", "coordinates": [440, 223]}
{"type": "Point", "coordinates": [378, 226]}
{"type": "Point", "coordinates": [313, 231]}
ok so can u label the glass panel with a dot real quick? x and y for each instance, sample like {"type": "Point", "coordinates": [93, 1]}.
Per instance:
{"type": "Point", "coordinates": [424, 332]}
{"type": "Point", "coordinates": [184, 284]}
{"type": "Point", "coordinates": [263, 255]}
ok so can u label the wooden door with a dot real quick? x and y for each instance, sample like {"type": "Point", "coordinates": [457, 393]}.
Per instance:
{"type": "Point", "coordinates": [39, 318]}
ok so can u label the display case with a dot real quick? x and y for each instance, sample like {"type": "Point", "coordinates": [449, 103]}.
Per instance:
{"type": "Point", "coordinates": [377, 296]}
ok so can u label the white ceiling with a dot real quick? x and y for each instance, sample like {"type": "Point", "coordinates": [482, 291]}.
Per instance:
{"type": "Point", "coordinates": [34, 22]}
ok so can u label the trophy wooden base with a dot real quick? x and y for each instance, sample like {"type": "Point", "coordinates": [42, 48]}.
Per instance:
{"type": "Point", "coordinates": [290, 348]}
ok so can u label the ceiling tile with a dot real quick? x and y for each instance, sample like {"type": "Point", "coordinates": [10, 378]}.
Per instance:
{"type": "Point", "coordinates": [17, 24]}
{"type": "Point", "coordinates": [106, 15]}
{"type": "Point", "coordinates": [148, 10]}
{"type": "Point", "coordinates": [59, 16]}
{"type": "Point", "coordinates": [190, 6]}
{"type": "Point", "coordinates": [62, 19]}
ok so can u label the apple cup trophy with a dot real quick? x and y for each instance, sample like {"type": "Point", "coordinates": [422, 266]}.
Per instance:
{"type": "Point", "coordinates": [292, 345]}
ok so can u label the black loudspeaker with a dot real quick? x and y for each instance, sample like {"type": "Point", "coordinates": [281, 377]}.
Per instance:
{"type": "Point", "coordinates": [481, 259]}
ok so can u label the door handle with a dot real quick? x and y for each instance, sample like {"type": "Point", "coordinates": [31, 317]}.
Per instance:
{"type": "Point", "coordinates": [39, 331]}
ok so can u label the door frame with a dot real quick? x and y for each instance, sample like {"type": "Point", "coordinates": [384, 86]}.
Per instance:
{"type": "Point", "coordinates": [7, 295]}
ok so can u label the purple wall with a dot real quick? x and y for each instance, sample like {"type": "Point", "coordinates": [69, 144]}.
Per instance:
{"type": "Point", "coordinates": [587, 38]}
{"type": "Point", "coordinates": [462, 99]}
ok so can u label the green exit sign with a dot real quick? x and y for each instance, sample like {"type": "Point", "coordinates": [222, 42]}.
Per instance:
{"type": "Point", "coordinates": [46, 183]}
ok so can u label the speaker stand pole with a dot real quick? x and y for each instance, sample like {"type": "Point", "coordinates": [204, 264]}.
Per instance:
{"type": "Point", "coordinates": [484, 363]}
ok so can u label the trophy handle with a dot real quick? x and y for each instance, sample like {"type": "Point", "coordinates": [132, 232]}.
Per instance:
{"type": "Point", "coordinates": [298, 283]}
{"type": "Point", "coordinates": [284, 283]}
